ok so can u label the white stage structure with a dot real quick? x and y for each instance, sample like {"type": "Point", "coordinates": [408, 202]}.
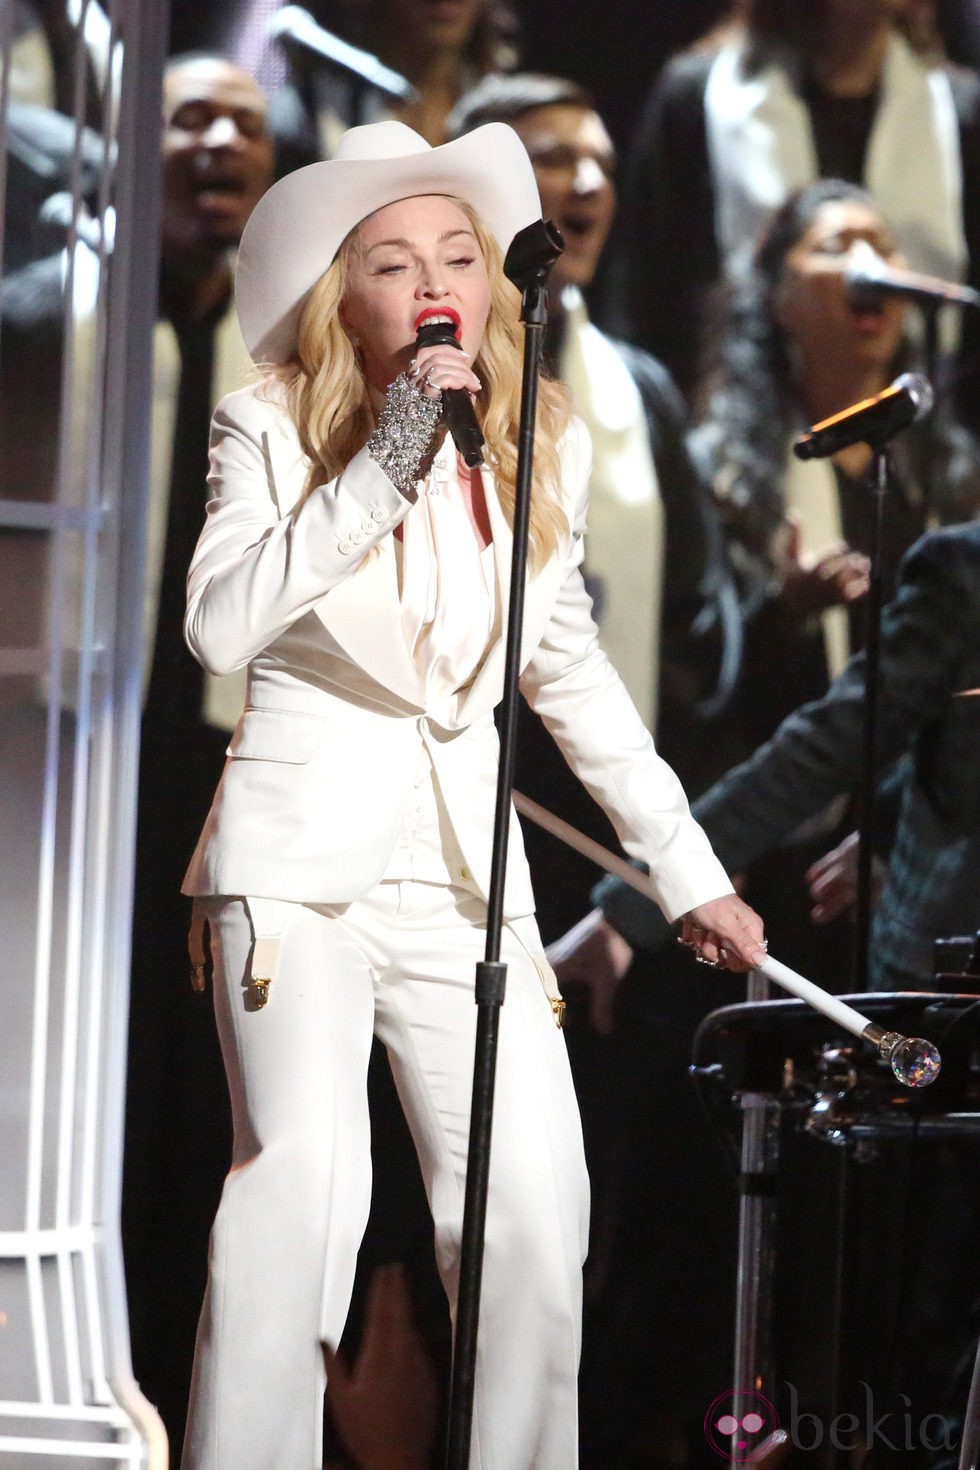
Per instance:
{"type": "Point", "coordinates": [70, 657]}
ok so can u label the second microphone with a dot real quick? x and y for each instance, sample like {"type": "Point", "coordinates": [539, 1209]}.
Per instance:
{"type": "Point", "coordinates": [457, 405]}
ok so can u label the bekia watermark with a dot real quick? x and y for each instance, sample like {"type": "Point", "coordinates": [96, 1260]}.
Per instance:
{"type": "Point", "coordinates": [738, 1424]}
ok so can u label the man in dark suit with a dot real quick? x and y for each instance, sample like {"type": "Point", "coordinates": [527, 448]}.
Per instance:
{"type": "Point", "coordinates": [217, 158]}
{"type": "Point", "coordinates": [929, 716]}
{"type": "Point", "coordinates": [929, 734]}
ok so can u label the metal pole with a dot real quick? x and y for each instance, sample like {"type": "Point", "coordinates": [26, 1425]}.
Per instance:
{"type": "Point", "coordinates": [491, 974]}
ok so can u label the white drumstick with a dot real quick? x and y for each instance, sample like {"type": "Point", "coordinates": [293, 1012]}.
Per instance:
{"type": "Point", "coordinates": [914, 1061]}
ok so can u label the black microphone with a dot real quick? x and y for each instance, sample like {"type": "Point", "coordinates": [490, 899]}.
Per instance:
{"type": "Point", "coordinates": [869, 283]}
{"type": "Point", "coordinates": [457, 405]}
{"type": "Point", "coordinates": [872, 421]}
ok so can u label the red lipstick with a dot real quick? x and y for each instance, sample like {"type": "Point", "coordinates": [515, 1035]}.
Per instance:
{"type": "Point", "coordinates": [436, 313]}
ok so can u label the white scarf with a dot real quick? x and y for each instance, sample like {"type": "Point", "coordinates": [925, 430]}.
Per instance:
{"type": "Point", "coordinates": [448, 600]}
{"type": "Point", "coordinates": [813, 503]}
{"type": "Point", "coordinates": [761, 148]}
{"type": "Point", "coordinates": [625, 540]}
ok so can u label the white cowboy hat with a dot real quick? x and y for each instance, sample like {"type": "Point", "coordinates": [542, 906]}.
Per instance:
{"type": "Point", "coordinates": [298, 226]}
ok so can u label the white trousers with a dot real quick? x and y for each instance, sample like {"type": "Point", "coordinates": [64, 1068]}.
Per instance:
{"type": "Point", "coordinates": [398, 963]}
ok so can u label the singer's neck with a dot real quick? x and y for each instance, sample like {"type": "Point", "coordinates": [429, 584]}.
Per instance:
{"type": "Point", "coordinates": [824, 389]}
{"type": "Point", "coordinates": [436, 76]}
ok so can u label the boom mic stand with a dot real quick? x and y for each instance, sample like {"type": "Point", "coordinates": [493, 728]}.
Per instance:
{"type": "Point", "coordinates": [874, 422]}
{"type": "Point", "coordinates": [532, 253]}
{"type": "Point", "coordinates": [304, 39]}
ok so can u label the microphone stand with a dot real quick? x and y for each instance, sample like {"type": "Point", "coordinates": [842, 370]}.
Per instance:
{"type": "Point", "coordinates": [532, 253]}
{"type": "Point", "coordinates": [879, 475]}
{"type": "Point", "coordinates": [297, 32]}
{"type": "Point", "coordinates": [873, 422]}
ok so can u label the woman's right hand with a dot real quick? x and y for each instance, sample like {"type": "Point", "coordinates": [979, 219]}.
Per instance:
{"type": "Point", "coordinates": [834, 577]}
{"type": "Point", "coordinates": [833, 881]}
{"type": "Point", "coordinates": [442, 366]}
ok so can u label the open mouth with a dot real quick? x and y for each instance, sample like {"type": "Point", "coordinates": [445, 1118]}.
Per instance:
{"type": "Point", "coordinates": [437, 316]}
{"type": "Point", "coordinates": [577, 226]}
{"type": "Point", "coordinates": [220, 186]}
{"type": "Point", "coordinates": [868, 316]}
{"type": "Point", "coordinates": [219, 197]}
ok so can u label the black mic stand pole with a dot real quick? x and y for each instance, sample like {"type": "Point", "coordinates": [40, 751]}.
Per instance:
{"type": "Point", "coordinates": [879, 476]}
{"type": "Point", "coordinates": [529, 259]}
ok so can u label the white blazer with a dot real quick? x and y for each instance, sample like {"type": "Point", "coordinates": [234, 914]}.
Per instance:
{"type": "Point", "coordinates": [321, 766]}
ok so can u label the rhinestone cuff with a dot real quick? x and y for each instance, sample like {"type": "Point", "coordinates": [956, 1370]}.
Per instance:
{"type": "Point", "coordinates": [404, 434]}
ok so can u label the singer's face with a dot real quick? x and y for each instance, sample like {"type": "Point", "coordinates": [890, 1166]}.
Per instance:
{"type": "Point", "coordinates": [811, 301]}
{"type": "Point", "coordinates": [574, 161]}
{"type": "Point", "coordinates": [419, 255]}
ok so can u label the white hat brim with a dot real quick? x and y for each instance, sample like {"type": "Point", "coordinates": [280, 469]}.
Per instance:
{"type": "Point", "coordinates": [298, 226]}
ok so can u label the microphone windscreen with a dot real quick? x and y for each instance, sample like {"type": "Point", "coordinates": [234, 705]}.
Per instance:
{"type": "Point", "coordinates": [920, 390]}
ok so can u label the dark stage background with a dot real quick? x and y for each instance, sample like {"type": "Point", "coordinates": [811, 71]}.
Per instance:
{"type": "Point", "coordinates": [615, 49]}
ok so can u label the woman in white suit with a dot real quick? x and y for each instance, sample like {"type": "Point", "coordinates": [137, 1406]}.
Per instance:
{"type": "Point", "coordinates": [360, 572]}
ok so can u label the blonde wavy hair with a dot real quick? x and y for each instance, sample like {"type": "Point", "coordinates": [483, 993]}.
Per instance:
{"type": "Point", "coordinates": [328, 400]}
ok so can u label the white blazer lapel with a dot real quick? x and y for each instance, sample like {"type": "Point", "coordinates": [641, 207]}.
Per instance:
{"type": "Point", "coordinates": [503, 551]}
{"type": "Point", "coordinates": [490, 671]}
{"type": "Point", "coordinates": [362, 614]}
{"type": "Point", "coordinates": [541, 588]}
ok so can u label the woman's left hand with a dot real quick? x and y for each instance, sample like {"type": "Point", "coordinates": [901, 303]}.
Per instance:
{"type": "Point", "coordinates": [725, 932]}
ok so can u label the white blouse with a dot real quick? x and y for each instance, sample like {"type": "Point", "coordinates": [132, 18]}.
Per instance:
{"type": "Point", "coordinates": [448, 603]}
{"type": "Point", "coordinates": [446, 585]}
